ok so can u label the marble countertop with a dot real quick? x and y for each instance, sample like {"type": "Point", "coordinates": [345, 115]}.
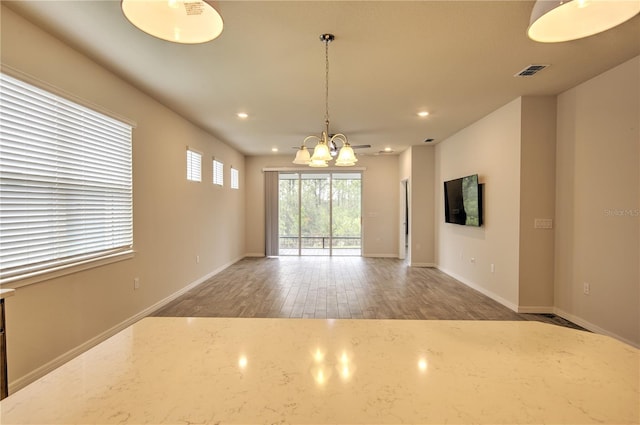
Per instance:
{"type": "Point", "coordinates": [232, 371]}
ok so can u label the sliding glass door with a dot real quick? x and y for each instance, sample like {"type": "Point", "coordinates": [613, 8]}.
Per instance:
{"type": "Point", "coordinates": [319, 213]}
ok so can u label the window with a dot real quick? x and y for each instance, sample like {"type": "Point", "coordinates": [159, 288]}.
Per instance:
{"type": "Point", "coordinates": [235, 184]}
{"type": "Point", "coordinates": [65, 182]}
{"type": "Point", "coordinates": [218, 175]}
{"type": "Point", "coordinates": [194, 165]}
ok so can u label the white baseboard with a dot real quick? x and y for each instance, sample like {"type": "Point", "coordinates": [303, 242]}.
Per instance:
{"type": "Point", "coordinates": [430, 265]}
{"type": "Point", "coordinates": [254, 254]}
{"type": "Point", "coordinates": [480, 289]}
{"type": "Point", "coordinates": [593, 328]}
{"type": "Point", "coordinates": [542, 310]}
{"type": "Point", "coordinates": [74, 352]}
{"type": "Point", "coordinates": [539, 309]}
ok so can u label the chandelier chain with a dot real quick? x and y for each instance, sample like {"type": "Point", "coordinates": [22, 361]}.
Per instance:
{"type": "Point", "coordinates": [326, 79]}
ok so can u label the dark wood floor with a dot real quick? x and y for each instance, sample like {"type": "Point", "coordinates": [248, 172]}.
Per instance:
{"type": "Point", "coordinates": [339, 288]}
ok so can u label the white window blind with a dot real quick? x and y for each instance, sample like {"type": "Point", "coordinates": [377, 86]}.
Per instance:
{"type": "Point", "coordinates": [218, 172]}
{"type": "Point", "coordinates": [194, 165]}
{"type": "Point", "coordinates": [65, 182]}
{"type": "Point", "coordinates": [235, 183]}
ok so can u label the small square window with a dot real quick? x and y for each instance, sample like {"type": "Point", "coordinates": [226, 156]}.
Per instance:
{"type": "Point", "coordinates": [235, 184]}
{"type": "Point", "coordinates": [194, 165]}
{"type": "Point", "coordinates": [218, 175]}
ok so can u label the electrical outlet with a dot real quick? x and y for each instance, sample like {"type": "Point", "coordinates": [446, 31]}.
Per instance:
{"type": "Point", "coordinates": [197, 259]}
{"type": "Point", "coordinates": [473, 260]}
{"type": "Point", "coordinates": [136, 283]}
{"type": "Point", "coordinates": [586, 288]}
{"type": "Point", "coordinates": [493, 268]}
{"type": "Point", "coordinates": [543, 223]}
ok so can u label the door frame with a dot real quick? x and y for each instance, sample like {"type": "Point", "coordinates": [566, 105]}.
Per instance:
{"type": "Point", "coordinates": [404, 242]}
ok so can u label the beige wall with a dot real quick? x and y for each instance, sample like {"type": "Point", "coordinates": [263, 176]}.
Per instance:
{"type": "Point", "coordinates": [174, 220]}
{"type": "Point", "coordinates": [490, 148]}
{"type": "Point", "coordinates": [537, 201]}
{"type": "Point", "coordinates": [597, 202]}
{"type": "Point", "coordinates": [380, 200]}
{"type": "Point", "coordinates": [422, 211]}
{"type": "Point", "coordinates": [513, 151]}
{"type": "Point", "coordinates": [254, 214]}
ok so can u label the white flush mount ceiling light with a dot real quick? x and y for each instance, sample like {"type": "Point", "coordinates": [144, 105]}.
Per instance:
{"type": "Point", "coordinates": [322, 151]}
{"type": "Point", "coordinates": [554, 21]}
{"type": "Point", "coordinates": [178, 21]}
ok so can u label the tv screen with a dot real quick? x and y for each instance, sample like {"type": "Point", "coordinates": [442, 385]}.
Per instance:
{"type": "Point", "coordinates": [463, 201]}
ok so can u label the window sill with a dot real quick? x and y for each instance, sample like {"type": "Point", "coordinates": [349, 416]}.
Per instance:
{"type": "Point", "coordinates": [15, 282]}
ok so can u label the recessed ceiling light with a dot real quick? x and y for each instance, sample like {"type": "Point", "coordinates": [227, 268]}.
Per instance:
{"type": "Point", "coordinates": [387, 149]}
{"type": "Point", "coordinates": [274, 149]}
{"type": "Point", "coordinates": [423, 114]}
{"type": "Point", "coordinates": [242, 115]}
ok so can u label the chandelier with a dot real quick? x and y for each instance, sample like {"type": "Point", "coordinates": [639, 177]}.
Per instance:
{"type": "Point", "coordinates": [322, 151]}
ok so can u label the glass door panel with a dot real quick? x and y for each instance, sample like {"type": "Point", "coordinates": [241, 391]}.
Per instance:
{"type": "Point", "coordinates": [346, 213]}
{"type": "Point", "coordinates": [315, 214]}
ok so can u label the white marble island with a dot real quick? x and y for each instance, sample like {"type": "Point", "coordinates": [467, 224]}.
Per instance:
{"type": "Point", "coordinates": [233, 371]}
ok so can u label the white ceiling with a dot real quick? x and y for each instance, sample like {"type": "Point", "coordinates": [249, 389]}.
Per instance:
{"type": "Point", "coordinates": [390, 59]}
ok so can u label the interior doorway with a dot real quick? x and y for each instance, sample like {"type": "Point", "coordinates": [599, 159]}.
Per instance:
{"type": "Point", "coordinates": [403, 248]}
{"type": "Point", "coordinates": [319, 213]}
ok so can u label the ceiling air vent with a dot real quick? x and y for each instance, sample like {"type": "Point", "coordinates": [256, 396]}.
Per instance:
{"type": "Point", "coordinates": [530, 70]}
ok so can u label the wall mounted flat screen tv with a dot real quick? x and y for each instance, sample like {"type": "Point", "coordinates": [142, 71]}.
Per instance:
{"type": "Point", "coordinates": [463, 201]}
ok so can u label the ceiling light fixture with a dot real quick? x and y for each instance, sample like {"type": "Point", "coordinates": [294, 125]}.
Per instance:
{"type": "Point", "coordinates": [554, 21]}
{"type": "Point", "coordinates": [423, 114]}
{"type": "Point", "coordinates": [178, 21]}
{"type": "Point", "coordinates": [242, 115]}
{"type": "Point", "coordinates": [321, 153]}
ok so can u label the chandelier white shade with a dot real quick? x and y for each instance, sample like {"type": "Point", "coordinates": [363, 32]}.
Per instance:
{"type": "Point", "coordinates": [178, 21]}
{"type": "Point", "coordinates": [318, 163]}
{"type": "Point", "coordinates": [322, 150]}
{"type": "Point", "coordinates": [346, 157]}
{"type": "Point", "coordinates": [555, 21]}
{"type": "Point", "coordinates": [302, 156]}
